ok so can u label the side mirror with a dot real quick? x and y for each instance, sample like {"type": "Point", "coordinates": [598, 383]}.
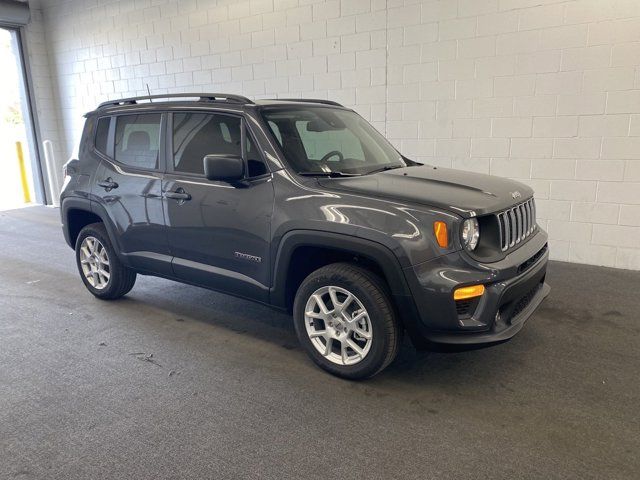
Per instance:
{"type": "Point", "coordinates": [225, 168]}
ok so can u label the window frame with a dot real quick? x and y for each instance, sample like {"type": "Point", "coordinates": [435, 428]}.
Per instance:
{"type": "Point", "coordinates": [111, 140]}
{"type": "Point", "coordinates": [244, 131]}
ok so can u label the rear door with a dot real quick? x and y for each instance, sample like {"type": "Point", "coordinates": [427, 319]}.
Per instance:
{"type": "Point", "coordinates": [218, 233]}
{"type": "Point", "coordinates": [129, 188]}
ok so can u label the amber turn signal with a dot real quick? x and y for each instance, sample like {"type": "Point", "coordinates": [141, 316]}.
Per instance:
{"type": "Point", "coordinates": [471, 291]}
{"type": "Point", "coordinates": [442, 235]}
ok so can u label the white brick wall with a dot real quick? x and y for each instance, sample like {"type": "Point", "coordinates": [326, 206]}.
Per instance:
{"type": "Point", "coordinates": [43, 85]}
{"type": "Point", "coordinates": [544, 91]}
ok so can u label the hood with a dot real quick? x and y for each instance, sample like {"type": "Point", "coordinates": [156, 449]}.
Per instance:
{"type": "Point", "coordinates": [465, 193]}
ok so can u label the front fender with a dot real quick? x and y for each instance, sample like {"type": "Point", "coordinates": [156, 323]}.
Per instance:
{"type": "Point", "coordinates": [376, 252]}
{"type": "Point", "coordinates": [379, 253]}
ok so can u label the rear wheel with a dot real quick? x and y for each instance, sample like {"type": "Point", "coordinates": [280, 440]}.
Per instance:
{"type": "Point", "coordinates": [100, 269]}
{"type": "Point", "coordinates": [345, 321]}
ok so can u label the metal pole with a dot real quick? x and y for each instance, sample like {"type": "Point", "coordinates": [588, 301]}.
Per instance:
{"type": "Point", "coordinates": [52, 173]}
{"type": "Point", "coordinates": [23, 173]}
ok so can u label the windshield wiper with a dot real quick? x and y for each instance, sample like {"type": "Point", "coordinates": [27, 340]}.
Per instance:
{"type": "Point", "coordinates": [385, 168]}
{"type": "Point", "coordinates": [328, 174]}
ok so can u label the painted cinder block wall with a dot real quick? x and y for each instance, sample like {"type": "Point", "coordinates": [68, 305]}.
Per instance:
{"type": "Point", "coordinates": [543, 91]}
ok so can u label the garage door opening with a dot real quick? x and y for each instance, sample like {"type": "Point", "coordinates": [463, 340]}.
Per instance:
{"type": "Point", "coordinates": [17, 159]}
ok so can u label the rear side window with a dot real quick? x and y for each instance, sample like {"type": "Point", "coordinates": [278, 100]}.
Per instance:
{"type": "Point", "coordinates": [196, 135]}
{"type": "Point", "coordinates": [102, 134]}
{"type": "Point", "coordinates": [138, 140]}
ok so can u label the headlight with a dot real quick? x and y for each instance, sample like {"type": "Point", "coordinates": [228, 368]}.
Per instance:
{"type": "Point", "coordinates": [470, 233]}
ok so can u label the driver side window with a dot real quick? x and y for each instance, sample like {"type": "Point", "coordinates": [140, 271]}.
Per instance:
{"type": "Point", "coordinates": [198, 134]}
{"type": "Point", "coordinates": [318, 144]}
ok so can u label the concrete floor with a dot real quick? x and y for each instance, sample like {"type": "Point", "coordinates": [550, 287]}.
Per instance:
{"type": "Point", "coordinates": [228, 393]}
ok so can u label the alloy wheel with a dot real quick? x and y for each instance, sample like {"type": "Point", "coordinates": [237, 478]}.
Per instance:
{"type": "Point", "coordinates": [338, 325]}
{"type": "Point", "coordinates": [94, 261]}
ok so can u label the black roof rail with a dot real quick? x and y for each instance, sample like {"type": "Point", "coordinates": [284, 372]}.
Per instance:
{"type": "Point", "coordinates": [202, 97]}
{"type": "Point", "coordinates": [309, 100]}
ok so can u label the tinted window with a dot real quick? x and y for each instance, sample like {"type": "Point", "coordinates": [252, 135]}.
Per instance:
{"type": "Point", "coordinates": [138, 140]}
{"type": "Point", "coordinates": [102, 134]}
{"type": "Point", "coordinates": [255, 164]}
{"type": "Point", "coordinates": [196, 135]}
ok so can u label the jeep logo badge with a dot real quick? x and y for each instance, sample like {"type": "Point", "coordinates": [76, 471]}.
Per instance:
{"type": "Point", "coordinates": [515, 195]}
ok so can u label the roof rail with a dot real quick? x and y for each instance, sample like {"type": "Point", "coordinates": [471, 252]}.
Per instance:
{"type": "Point", "coordinates": [202, 97]}
{"type": "Point", "coordinates": [309, 100]}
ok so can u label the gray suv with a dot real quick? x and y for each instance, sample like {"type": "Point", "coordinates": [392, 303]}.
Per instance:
{"type": "Point", "coordinates": [302, 205]}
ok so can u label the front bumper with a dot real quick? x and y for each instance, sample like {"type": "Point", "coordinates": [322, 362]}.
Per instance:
{"type": "Point", "coordinates": [514, 287]}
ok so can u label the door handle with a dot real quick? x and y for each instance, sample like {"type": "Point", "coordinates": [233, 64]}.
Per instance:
{"type": "Point", "coordinates": [180, 195]}
{"type": "Point", "coordinates": [108, 184]}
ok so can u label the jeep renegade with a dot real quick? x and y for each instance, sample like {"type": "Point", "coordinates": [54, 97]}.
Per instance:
{"type": "Point", "coordinates": [302, 205]}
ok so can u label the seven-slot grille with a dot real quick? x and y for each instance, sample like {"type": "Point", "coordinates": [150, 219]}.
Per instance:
{"type": "Point", "coordinates": [516, 223]}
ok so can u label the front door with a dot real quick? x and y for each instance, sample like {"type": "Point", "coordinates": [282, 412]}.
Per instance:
{"type": "Point", "coordinates": [129, 188]}
{"type": "Point", "coordinates": [218, 233]}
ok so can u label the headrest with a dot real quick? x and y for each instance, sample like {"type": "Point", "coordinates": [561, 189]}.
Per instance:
{"type": "Point", "coordinates": [138, 141]}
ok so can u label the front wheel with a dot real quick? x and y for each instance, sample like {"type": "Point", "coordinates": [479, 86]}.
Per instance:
{"type": "Point", "coordinates": [345, 321]}
{"type": "Point", "coordinates": [99, 266]}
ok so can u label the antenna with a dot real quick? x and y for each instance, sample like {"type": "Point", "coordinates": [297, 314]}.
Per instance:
{"type": "Point", "coordinates": [149, 92]}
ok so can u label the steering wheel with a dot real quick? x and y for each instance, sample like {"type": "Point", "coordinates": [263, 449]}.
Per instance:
{"type": "Point", "coordinates": [333, 153]}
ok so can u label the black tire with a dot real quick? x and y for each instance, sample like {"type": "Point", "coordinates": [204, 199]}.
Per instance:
{"type": "Point", "coordinates": [371, 291]}
{"type": "Point", "coordinates": [121, 279]}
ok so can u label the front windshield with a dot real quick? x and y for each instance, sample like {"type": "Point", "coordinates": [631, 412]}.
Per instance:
{"type": "Point", "coordinates": [330, 140]}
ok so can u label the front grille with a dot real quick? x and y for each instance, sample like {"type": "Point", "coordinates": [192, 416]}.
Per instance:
{"type": "Point", "coordinates": [524, 265]}
{"type": "Point", "coordinates": [516, 224]}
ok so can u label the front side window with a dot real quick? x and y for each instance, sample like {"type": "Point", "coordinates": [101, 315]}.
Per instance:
{"type": "Point", "coordinates": [138, 140]}
{"type": "Point", "coordinates": [330, 140]}
{"type": "Point", "coordinates": [255, 165]}
{"type": "Point", "coordinates": [196, 135]}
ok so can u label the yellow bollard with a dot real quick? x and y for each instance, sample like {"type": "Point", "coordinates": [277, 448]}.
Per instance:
{"type": "Point", "coordinates": [23, 173]}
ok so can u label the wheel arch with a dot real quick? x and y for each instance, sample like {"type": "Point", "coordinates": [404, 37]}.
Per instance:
{"type": "Point", "coordinates": [303, 251]}
{"type": "Point", "coordinates": [77, 213]}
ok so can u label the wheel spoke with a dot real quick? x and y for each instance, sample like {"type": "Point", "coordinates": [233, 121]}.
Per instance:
{"type": "Point", "coordinates": [334, 298]}
{"type": "Point", "coordinates": [353, 322]}
{"type": "Point", "coordinates": [327, 347]}
{"type": "Point", "coordinates": [102, 255]}
{"type": "Point", "coordinates": [355, 347]}
{"type": "Point", "coordinates": [363, 333]}
{"type": "Point", "coordinates": [347, 302]}
{"type": "Point", "coordinates": [318, 333]}
{"type": "Point", "coordinates": [312, 314]}
{"type": "Point", "coordinates": [344, 353]}
{"type": "Point", "coordinates": [321, 304]}
{"type": "Point", "coordinates": [85, 251]}
{"type": "Point", "coordinates": [105, 274]}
